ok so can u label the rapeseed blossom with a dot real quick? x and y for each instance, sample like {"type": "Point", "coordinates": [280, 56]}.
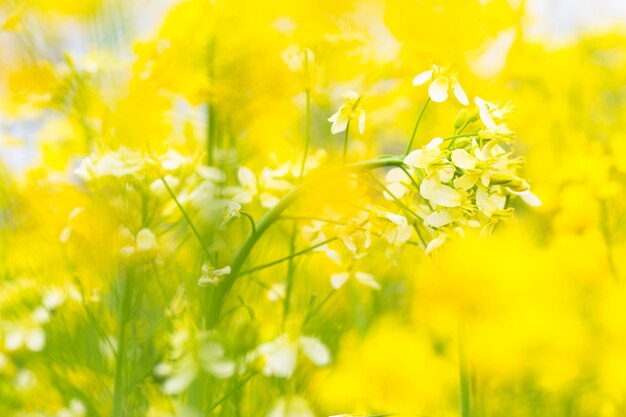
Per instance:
{"type": "Point", "coordinates": [180, 234]}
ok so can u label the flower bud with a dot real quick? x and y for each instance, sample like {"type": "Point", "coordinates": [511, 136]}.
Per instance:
{"type": "Point", "coordinates": [461, 119]}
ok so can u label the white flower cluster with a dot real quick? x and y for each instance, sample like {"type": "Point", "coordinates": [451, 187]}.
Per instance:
{"type": "Point", "coordinates": [464, 180]}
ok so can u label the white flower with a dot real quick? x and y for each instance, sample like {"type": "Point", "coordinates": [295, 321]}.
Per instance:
{"type": "Point", "coordinates": [189, 352]}
{"type": "Point", "coordinates": [349, 110]}
{"type": "Point", "coordinates": [398, 230]}
{"type": "Point", "coordinates": [232, 212]}
{"type": "Point", "coordinates": [338, 280]}
{"type": "Point", "coordinates": [145, 240]}
{"type": "Point", "coordinates": [425, 157]}
{"type": "Point", "coordinates": [439, 218]}
{"type": "Point", "coordinates": [462, 159]}
{"type": "Point", "coordinates": [440, 194]}
{"type": "Point", "coordinates": [211, 275]}
{"type": "Point", "coordinates": [488, 111]}
{"type": "Point", "coordinates": [528, 197]}
{"type": "Point", "coordinates": [248, 186]}
{"type": "Point", "coordinates": [442, 83]}
{"type": "Point", "coordinates": [280, 355]}
{"type": "Point", "coordinates": [489, 203]}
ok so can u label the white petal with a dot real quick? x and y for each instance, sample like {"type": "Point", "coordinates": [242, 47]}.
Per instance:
{"type": "Point", "coordinates": [361, 121]}
{"type": "Point", "coordinates": [465, 182]}
{"type": "Point", "coordinates": [438, 89]}
{"type": "Point", "coordinates": [438, 219]}
{"type": "Point", "coordinates": [396, 189]}
{"type": "Point", "coordinates": [396, 219]}
{"type": "Point", "coordinates": [315, 350]}
{"type": "Point", "coordinates": [246, 177]}
{"type": "Point", "coordinates": [280, 357]}
{"type": "Point", "coordinates": [463, 159]}
{"type": "Point", "coordinates": [427, 186]}
{"type": "Point", "coordinates": [221, 369]}
{"type": "Point", "coordinates": [446, 173]}
{"type": "Point", "coordinates": [339, 125]}
{"type": "Point", "coordinates": [146, 240]}
{"type": "Point", "coordinates": [435, 243]}
{"type": "Point", "coordinates": [445, 196]}
{"type": "Point", "coordinates": [337, 280]}
{"type": "Point", "coordinates": [396, 175]}
{"type": "Point", "coordinates": [422, 78]}
{"type": "Point", "coordinates": [367, 279]}
{"type": "Point", "coordinates": [434, 143]}
{"type": "Point", "coordinates": [458, 91]}
{"type": "Point", "coordinates": [36, 340]}
{"type": "Point", "coordinates": [180, 381]}
{"type": "Point", "coordinates": [530, 198]}
{"type": "Point", "coordinates": [415, 159]}
{"type": "Point", "coordinates": [277, 292]}
{"type": "Point", "coordinates": [485, 115]}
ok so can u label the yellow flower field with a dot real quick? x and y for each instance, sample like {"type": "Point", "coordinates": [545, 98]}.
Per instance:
{"type": "Point", "coordinates": [312, 208]}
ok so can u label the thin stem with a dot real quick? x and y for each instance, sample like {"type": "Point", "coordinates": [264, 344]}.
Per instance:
{"type": "Point", "coordinates": [417, 123]}
{"type": "Point", "coordinates": [290, 272]}
{"type": "Point", "coordinates": [119, 388]}
{"type": "Point", "coordinates": [250, 219]}
{"type": "Point", "coordinates": [462, 135]}
{"type": "Point", "coordinates": [187, 219]}
{"type": "Point", "coordinates": [287, 258]}
{"type": "Point", "coordinates": [231, 392]}
{"type": "Point", "coordinates": [294, 226]}
{"type": "Point", "coordinates": [318, 307]}
{"type": "Point", "coordinates": [345, 142]}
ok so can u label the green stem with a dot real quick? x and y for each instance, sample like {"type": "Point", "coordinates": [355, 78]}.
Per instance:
{"type": "Point", "coordinates": [290, 272]}
{"type": "Point", "coordinates": [462, 135]}
{"type": "Point", "coordinates": [118, 409]}
{"type": "Point", "coordinates": [186, 216]}
{"type": "Point", "coordinates": [294, 227]}
{"type": "Point", "coordinates": [250, 219]}
{"type": "Point", "coordinates": [417, 123]}
{"type": "Point", "coordinates": [287, 258]}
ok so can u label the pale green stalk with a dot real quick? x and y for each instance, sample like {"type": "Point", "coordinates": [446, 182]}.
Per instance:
{"type": "Point", "coordinates": [417, 123]}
